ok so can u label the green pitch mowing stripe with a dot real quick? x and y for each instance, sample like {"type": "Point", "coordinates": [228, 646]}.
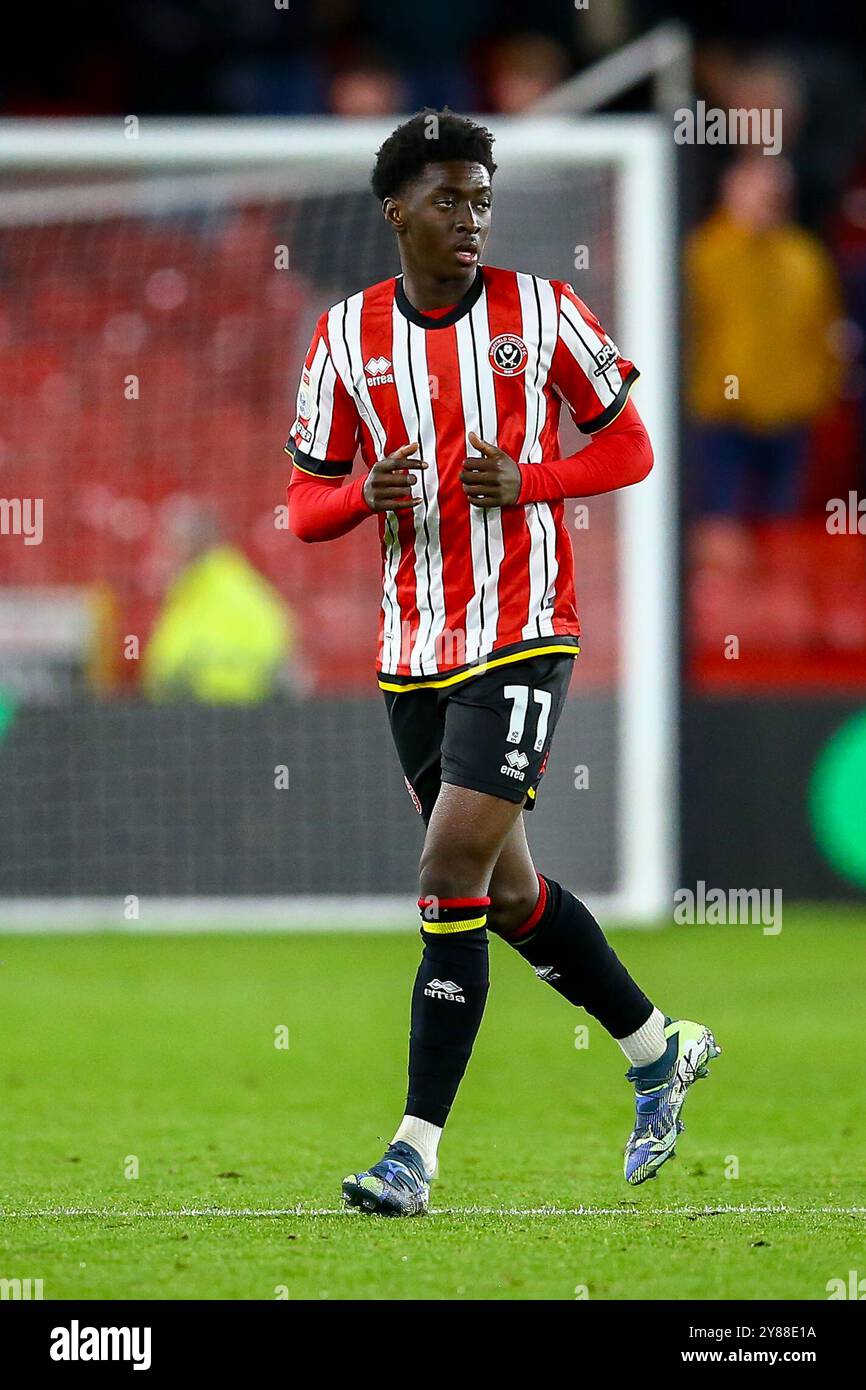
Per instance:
{"type": "Point", "coordinates": [156, 1056]}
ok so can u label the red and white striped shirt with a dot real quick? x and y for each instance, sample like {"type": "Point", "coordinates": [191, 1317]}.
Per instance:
{"type": "Point", "coordinates": [461, 583]}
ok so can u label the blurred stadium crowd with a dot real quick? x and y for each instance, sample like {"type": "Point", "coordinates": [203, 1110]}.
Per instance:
{"type": "Point", "coordinates": [774, 375]}
{"type": "Point", "coordinates": [774, 318]}
{"type": "Point", "coordinates": [355, 57]}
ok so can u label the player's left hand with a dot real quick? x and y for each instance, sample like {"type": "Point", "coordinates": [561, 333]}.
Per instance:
{"type": "Point", "coordinates": [493, 480]}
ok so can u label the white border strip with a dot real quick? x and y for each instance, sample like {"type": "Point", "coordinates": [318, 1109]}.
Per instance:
{"type": "Point", "coordinates": [218, 143]}
{"type": "Point", "coordinates": [647, 536]}
{"type": "Point", "coordinates": [323, 913]}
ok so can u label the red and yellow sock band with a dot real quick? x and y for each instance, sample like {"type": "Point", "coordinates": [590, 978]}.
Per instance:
{"type": "Point", "coordinates": [444, 916]}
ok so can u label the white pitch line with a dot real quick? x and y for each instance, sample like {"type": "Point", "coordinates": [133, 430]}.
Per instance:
{"type": "Point", "coordinates": [47, 1213]}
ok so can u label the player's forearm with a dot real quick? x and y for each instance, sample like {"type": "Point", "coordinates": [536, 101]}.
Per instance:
{"type": "Point", "coordinates": [322, 511]}
{"type": "Point", "coordinates": [617, 457]}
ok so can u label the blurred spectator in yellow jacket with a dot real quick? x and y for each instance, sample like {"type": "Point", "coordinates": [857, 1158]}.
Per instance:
{"type": "Point", "coordinates": [224, 634]}
{"type": "Point", "coordinates": [763, 305]}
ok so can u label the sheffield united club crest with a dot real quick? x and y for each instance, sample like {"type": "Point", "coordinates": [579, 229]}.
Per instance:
{"type": "Point", "coordinates": [508, 354]}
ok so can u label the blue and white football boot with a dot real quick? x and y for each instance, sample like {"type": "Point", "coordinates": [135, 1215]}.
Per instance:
{"type": "Point", "coordinates": [396, 1186]}
{"type": "Point", "coordinates": [660, 1090]}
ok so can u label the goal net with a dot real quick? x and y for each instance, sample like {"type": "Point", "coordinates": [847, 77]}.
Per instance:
{"type": "Point", "coordinates": [158, 288]}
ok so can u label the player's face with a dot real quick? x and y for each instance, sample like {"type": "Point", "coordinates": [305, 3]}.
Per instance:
{"type": "Point", "coordinates": [443, 218]}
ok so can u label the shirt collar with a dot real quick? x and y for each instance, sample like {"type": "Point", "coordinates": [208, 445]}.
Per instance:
{"type": "Point", "coordinates": [462, 307]}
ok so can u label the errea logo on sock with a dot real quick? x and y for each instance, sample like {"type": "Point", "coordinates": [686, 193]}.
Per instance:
{"type": "Point", "coordinates": [445, 989]}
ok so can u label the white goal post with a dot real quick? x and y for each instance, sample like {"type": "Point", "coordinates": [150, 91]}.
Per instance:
{"type": "Point", "coordinates": [68, 168]}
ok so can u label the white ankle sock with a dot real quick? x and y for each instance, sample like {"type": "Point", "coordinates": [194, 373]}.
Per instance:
{"type": "Point", "coordinates": [648, 1043]}
{"type": "Point", "coordinates": [422, 1136]}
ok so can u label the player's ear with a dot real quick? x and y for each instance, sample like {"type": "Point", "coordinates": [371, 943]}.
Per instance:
{"type": "Point", "coordinates": [393, 214]}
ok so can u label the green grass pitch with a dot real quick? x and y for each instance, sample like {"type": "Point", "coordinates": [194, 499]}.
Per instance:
{"type": "Point", "coordinates": [157, 1054]}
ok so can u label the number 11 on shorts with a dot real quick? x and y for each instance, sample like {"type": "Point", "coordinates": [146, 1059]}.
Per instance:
{"type": "Point", "coordinates": [519, 694]}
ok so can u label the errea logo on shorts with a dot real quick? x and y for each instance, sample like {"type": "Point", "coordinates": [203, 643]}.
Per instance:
{"type": "Point", "coordinates": [378, 373]}
{"type": "Point", "coordinates": [515, 765]}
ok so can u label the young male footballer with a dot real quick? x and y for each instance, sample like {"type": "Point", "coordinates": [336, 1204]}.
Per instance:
{"type": "Point", "coordinates": [450, 379]}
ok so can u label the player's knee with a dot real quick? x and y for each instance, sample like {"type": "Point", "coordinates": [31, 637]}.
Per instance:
{"type": "Point", "coordinates": [453, 873]}
{"type": "Point", "coordinates": [509, 909]}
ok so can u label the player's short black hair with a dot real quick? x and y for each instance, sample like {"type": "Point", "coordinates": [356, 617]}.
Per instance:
{"type": "Point", "coordinates": [426, 138]}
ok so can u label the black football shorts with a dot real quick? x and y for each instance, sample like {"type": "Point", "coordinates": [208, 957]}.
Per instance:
{"type": "Point", "coordinates": [491, 733]}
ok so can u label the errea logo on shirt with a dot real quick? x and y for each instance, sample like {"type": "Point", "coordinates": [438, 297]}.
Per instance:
{"type": "Point", "coordinates": [377, 371]}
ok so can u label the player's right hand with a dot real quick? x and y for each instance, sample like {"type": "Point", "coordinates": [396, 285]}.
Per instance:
{"type": "Point", "coordinates": [387, 485]}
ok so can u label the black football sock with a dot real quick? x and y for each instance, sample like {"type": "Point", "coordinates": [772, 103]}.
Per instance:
{"type": "Point", "coordinates": [447, 1002]}
{"type": "Point", "coordinates": [567, 947]}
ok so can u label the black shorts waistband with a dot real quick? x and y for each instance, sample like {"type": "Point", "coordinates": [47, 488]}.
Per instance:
{"type": "Point", "coordinates": [500, 656]}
